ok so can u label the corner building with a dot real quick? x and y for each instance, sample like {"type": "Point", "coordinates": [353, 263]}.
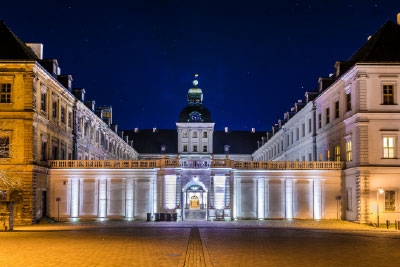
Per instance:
{"type": "Point", "coordinates": [334, 155]}
{"type": "Point", "coordinates": [43, 118]}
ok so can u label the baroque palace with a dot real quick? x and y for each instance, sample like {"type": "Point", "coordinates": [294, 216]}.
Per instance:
{"type": "Point", "coordinates": [334, 155]}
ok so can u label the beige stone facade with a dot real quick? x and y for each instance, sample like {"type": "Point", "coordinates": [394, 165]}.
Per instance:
{"type": "Point", "coordinates": [41, 119]}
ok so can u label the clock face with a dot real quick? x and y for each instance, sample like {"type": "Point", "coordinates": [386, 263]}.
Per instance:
{"type": "Point", "coordinates": [195, 82]}
{"type": "Point", "coordinates": [194, 116]}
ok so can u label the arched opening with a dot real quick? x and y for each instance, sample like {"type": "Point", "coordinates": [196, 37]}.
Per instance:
{"type": "Point", "coordinates": [194, 201]}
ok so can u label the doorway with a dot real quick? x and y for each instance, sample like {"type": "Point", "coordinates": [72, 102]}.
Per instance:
{"type": "Point", "coordinates": [195, 202]}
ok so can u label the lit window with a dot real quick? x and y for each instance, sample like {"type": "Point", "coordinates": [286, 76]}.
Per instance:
{"type": "Point", "coordinates": [204, 134]}
{"type": "Point", "coordinates": [389, 147]}
{"type": "Point", "coordinates": [337, 153]}
{"type": "Point", "coordinates": [390, 197]}
{"type": "Point", "coordinates": [5, 93]}
{"type": "Point", "coordinates": [194, 135]}
{"type": "Point", "coordinates": [4, 147]}
{"type": "Point", "coordinates": [388, 94]}
{"type": "Point", "coordinates": [328, 155]}
{"type": "Point", "coordinates": [185, 134]}
{"type": "Point", "coordinates": [348, 102]}
{"type": "Point", "coordinates": [348, 151]}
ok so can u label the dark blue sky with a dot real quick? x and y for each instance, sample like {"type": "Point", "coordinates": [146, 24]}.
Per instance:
{"type": "Point", "coordinates": [254, 58]}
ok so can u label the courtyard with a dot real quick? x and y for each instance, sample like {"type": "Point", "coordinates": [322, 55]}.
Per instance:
{"type": "Point", "coordinates": [200, 243]}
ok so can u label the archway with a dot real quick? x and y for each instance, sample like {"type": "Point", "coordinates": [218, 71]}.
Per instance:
{"type": "Point", "coordinates": [194, 199]}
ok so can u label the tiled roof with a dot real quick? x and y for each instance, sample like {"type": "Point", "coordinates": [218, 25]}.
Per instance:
{"type": "Point", "coordinates": [149, 142]}
{"type": "Point", "coordinates": [383, 46]}
{"type": "Point", "coordinates": [11, 47]}
{"type": "Point", "coordinates": [239, 142]}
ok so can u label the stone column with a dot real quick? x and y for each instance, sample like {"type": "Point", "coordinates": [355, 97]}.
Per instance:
{"type": "Point", "coordinates": [317, 212]}
{"type": "Point", "coordinates": [288, 198]}
{"type": "Point", "coordinates": [129, 196]}
{"type": "Point", "coordinates": [102, 198]}
{"type": "Point", "coordinates": [75, 186]}
{"type": "Point", "coordinates": [178, 191]}
{"type": "Point", "coordinates": [260, 198]}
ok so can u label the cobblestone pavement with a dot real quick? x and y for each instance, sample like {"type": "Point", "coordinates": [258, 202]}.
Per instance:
{"type": "Point", "coordinates": [238, 243]}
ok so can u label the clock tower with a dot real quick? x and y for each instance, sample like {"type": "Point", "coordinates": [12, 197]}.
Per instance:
{"type": "Point", "coordinates": [195, 127]}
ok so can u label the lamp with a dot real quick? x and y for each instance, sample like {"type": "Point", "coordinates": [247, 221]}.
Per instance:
{"type": "Point", "coordinates": [378, 191]}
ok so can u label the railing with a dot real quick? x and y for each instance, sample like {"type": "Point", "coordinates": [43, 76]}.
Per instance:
{"type": "Point", "coordinates": [197, 164]}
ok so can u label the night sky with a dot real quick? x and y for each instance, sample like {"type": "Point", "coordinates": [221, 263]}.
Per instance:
{"type": "Point", "coordinates": [254, 58]}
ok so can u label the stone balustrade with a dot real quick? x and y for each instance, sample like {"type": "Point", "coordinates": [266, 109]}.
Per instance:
{"type": "Point", "coordinates": [196, 164]}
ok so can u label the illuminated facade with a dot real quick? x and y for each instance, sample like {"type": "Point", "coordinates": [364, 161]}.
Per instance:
{"type": "Point", "coordinates": [353, 117]}
{"type": "Point", "coordinates": [335, 155]}
{"type": "Point", "coordinates": [43, 118]}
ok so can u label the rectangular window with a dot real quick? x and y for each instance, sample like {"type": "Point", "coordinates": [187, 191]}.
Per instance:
{"type": "Point", "coordinates": [337, 153]}
{"type": "Point", "coordinates": [390, 197]}
{"type": "Point", "coordinates": [5, 93]}
{"type": "Point", "coordinates": [54, 152]}
{"type": "Point", "coordinates": [327, 115]}
{"type": "Point", "coordinates": [55, 109]}
{"type": "Point", "coordinates": [348, 151]}
{"type": "Point", "coordinates": [303, 130]}
{"type": "Point", "coordinates": [4, 147]}
{"type": "Point", "coordinates": [204, 134]}
{"type": "Point", "coordinates": [388, 94]}
{"type": "Point", "coordinates": [70, 120]}
{"type": "Point", "coordinates": [319, 121]}
{"type": "Point", "coordinates": [43, 102]}
{"type": "Point", "coordinates": [309, 125]}
{"type": "Point", "coordinates": [44, 151]}
{"type": "Point", "coordinates": [184, 148]}
{"type": "Point", "coordinates": [348, 102]}
{"type": "Point", "coordinates": [204, 148]}
{"type": "Point", "coordinates": [194, 148]}
{"type": "Point", "coordinates": [184, 134]}
{"type": "Point", "coordinates": [63, 115]}
{"type": "Point", "coordinates": [389, 146]}
{"type": "Point", "coordinates": [336, 109]}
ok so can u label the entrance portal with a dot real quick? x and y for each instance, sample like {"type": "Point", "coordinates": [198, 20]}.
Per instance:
{"type": "Point", "coordinates": [195, 203]}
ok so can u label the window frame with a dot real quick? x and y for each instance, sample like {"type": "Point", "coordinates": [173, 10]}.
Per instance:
{"type": "Point", "coordinates": [349, 155]}
{"type": "Point", "coordinates": [348, 102]}
{"type": "Point", "coordinates": [388, 98]}
{"type": "Point", "coordinates": [5, 148]}
{"type": "Point", "coordinates": [389, 152]}
{"type": "Point", "coordinates": [390, 200]}
{"type": "Point", "coordinates": [5, 93]}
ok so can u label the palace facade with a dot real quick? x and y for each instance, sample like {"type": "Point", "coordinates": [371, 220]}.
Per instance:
{"type": "Point", "coordinates": [334, 155]}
